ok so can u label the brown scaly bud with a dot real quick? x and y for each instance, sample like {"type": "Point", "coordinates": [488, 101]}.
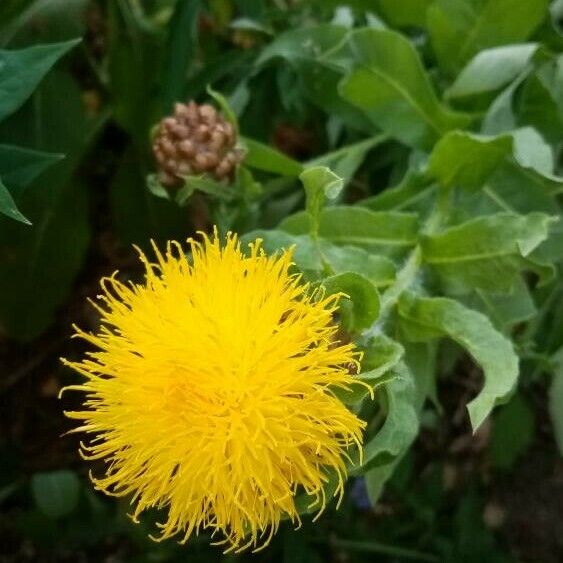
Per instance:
{"type": "Point", "coordinates": [196, 139]}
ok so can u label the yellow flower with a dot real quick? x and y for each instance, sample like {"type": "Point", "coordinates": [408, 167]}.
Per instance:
{"type": "Point", "coordinates": [211, 392]}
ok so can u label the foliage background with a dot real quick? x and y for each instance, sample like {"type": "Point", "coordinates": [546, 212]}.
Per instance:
{"type": "Point", "coordinates": [442, 119]}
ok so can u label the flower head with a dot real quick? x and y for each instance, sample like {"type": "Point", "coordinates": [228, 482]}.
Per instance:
{"type": "Point", "coordinates": [211, 392]}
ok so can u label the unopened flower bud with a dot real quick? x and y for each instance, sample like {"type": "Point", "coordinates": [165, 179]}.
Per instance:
{"type": "Point", "coordinates": [195, 139]}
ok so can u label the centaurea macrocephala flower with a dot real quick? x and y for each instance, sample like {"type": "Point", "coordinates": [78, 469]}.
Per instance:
{"type": "Point", "coordinates": [210, 392]}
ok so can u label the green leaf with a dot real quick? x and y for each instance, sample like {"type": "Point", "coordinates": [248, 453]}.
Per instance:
{"type": "Point", "coordinates": [137, 214]}
{"type": "Point", "coordinates": [180, 51]}
{"type": "Point", "coordinates": [375, 231]}
{"type": "Point", "coordinates": [134, 55]}
{"type": "Point", "coordinates": [306, 504]}
{"type": "Point", "coordinates": [414, 189]}
{"type": "Point", "coordinates": [381, 355]}
{"type": "Point", "coordinates": [225, 107]}
{"type": "Point", "coordinates": [505, 309]}
{"type": "Point", "coordinates": [248, 24]}
{"type": "Point", "coordinates": [461, 28]}
{"type": "Point", "coordinates": [268, 159]}
{"type": "Point", "coordinates": [346, 160]}
{"type": "Point", "coordinates": [500, 116]}
{"type": "Point", "coordinates": [467, 160]}
{"type": "Point", "coordinates": [420, 360]}
{"type": "Point", "coordinates": [513, 432]}
{"type": "Point", "coordinates": [19, 166]}
{"type": "Point", "coordinates": [320, 183]}
{"type": "Point", "coordinates": [22, 70]}
{"type": "Point", "coordinates": [307, 43]}
{"type": "Point", "coordinates": [315, 257]}
{"type": "Point", "coordinates": [359, 308]}
{"type": "Point", "coordinates": [516, 189]}
{"type": "Point", "coordinates": [317, 57]}
{"type": "Point", "coordinates": [427, 318]}
{"type": "Point", "coordinates": [556, 399]}
{"type": "Point", "coordinates": [8, 206]}
{"type": "Point", "coordinates": [404, 13]}
{"type": "Point", "coordinates": [539, 103]}
{"type": "Point", "coordinates": [39, 264]}
{"type": "Point", "coordinates": [389, 83]}
{"type": "Point", "coordinates": [381, 271]}
{"type": "Point", "coordinates": [492, 69]}
{"type": "Point", "coordinates": [203, 184]}
{"type": "Point", "coordinates": [401, 424]}
{"type": "Point", "coordinates": [44, 22]}
{"type": "Point", "coordinates": [306, 254]}
{"type": "Point", "coordinates": [531, 151]}
{"type": "Point", "coordinates": [56, 493]}
{"type": "Point", "coordinates": [485, 252]}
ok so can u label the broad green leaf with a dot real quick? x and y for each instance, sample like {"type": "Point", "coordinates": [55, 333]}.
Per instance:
{"type": "Point", "coordinates": [539, 103]}
{"type": "Point", "coordinates": [404, 13]}
{"type": "Point", "coordinates": [268, 159]}
{"type": "Point", "coordinates": [401, 424]}
{"type": "Point", "coordinates": [317, 58]}
{"type": "Point", "coordinates": [19, 166]}
{"type": "Point", "coordinates": [44, 22]}
{"type": "Point", "coordinates": [306, 504]}
{"type": "Point", "coordinates": [461, 28]}
{"type": "Point", "coordinates": [467, 160]}
{"type": "Point", "coordinates": [11, 9]}
{"type": "Point", "coordinates": [427, 318]}
{"type": "Point", "coordinates": [505, 309]}
{"type": "Point", "coordinates": [381, 355]}
{"type": "Point", "coordinates": [8, 206]}
{"type": "Point", "coordinates": [320, 183]}
{"type": "Point", "coordinates": [306, 254]}
{"type": "Point", "coordinates": [22, 70]}
{"type": "Point", "coordinates": [500, 116]}
{"type": "Point", "coordinates": [313, 258]}
{"type": "Point", "coordinates": [180, 52]}
{"type": "Point", "coordinates": [556, 399]}
{"type": "Point", "coordinates": [359, 307]}
{"type": "Point", "coordinates": [513, 432]}
{"type": "Point", "coordinates": [415, 189]}
{"type": "Point", "coordinates": [249, 24]}
{"type": "Point", "coordinates": [137, 214]}
{"type": "Point", "coordinates": [203, 184]}
{"type": "Point", "coordinates": [381, 271]}
{"type": "Point", "coordinates": [485, 252]}
{"type": "Point", "coordinates": [134, 55]}
{"type": "Point", "coordinates": [158, 190]}
{"type": "Point", "coordinates": [56, 492]}
{"type": "Point", "coordinates": [346, 160]}
{"type": "Point", "coordinates": [420, 360]}
{"type": "Point", "coordinates": [39, 264]}
{"type": "Point", "coordinates": [531, 151]}
{"type": "Point", "coordinates": [515, 189]}
{"type": "Point", "coordinates": [342, 225]}
{"type": "Point", "coordinates": [225, 107]}
{"type": "Point", "coordinates": [492, 69]}
{"type": "Point", "coordinates": [389, 83]}
{"type": "Point", "coordinates": [307, 43]}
